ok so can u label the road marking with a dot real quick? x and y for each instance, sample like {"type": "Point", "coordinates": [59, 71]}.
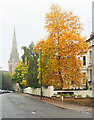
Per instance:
{"type": "Point", "coordinates": [87, 112]}
{"type": "Point", "coordinates": [82, 112]}
{"type": "Point", "coordinates": [16, 103]}
{"type": "Point", "coordinates": [33, 113]}
{"type": "Point", "coordinates": [21, 106]}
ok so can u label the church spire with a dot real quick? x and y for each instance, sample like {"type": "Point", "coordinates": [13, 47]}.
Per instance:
{"type": "Point", "coordinates": [14, 56]}
{"type": "Point", "coordinates": [14, 45]}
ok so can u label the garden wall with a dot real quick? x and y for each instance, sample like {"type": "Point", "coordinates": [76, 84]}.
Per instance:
{"type": "Point", "coordinates": [76, 92]}
{"type": "Point", "coordinates": [48, 92]}
{"type": "Point", "coordinates": [84, 93]}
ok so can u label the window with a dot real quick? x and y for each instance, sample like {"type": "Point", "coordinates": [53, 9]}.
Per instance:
{"type": "Point", "coordinates": [90, 55]}
{"type": "Point", "coordinates": [84, 60]}
{"type": "Point", "coordinates": [90, 43]}
{"type": "Point", "coordinates": [90, 75]}
{"type": "Point", "coordinates": [84, 78]}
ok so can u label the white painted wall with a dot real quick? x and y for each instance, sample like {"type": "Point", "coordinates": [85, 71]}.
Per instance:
{"type": "Point", "coordinates": [28, 90]}
{"type": "Point", "coordinates": [48, 92]}
{"type": "Point", "coordinates": [80, 92]}
{"type": "Point", "coordinates": [84, 93]}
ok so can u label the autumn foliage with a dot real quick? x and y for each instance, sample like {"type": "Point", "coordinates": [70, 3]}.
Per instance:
{"type": "Point", "coordinates": [61, 66]}
{"type": "Point", "coordinates": [19, 74]}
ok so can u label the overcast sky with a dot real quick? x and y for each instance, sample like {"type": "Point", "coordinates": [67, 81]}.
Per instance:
{"type": "Point", "coordinates": [28, 18]}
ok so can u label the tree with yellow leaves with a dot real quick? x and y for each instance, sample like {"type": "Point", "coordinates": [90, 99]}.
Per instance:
{"type": "Point", "coordinates": [60, 65]}
{"type": "Point", "coordinates": [19, 74]}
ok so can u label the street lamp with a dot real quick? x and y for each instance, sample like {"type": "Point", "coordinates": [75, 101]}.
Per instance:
{"type": "Point", "coordinates": [41, 69]}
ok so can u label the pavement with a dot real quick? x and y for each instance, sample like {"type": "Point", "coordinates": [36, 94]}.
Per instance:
{"type": "Point", "coordinates": [61, 104]}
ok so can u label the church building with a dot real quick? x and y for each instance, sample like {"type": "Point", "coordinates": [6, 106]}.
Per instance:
{"type": "Point", "coordinates": [14, 56]}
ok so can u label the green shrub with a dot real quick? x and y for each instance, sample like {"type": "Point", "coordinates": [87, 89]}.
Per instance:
{"type": "Point", "coordinates": [12, 89]}
{"type": "Point", "coordinates": [21, 90]}
{"type": "Point", "coordinates": [88, 96]}
{"type": "Point", "coordinates": [84, 88]}
{"type": "Point", "coordinates": [63, 95]}
{"type": "Point", "coordinates": [73, 95]}
{"type": "Point", "coordinates": [79, 96]}
{"type": "Point", "coordinates": [67, 94]}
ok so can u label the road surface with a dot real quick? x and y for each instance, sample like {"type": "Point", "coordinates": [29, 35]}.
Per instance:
{"type": "Point", "coordinates": [18, 106]}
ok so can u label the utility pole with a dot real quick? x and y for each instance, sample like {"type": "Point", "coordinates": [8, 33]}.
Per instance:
{"type": "Point", "coordinates": [41, 70]}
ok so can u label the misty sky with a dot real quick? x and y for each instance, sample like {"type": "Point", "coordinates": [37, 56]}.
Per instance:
{"type": "Point", "coordinates": [28, 18]}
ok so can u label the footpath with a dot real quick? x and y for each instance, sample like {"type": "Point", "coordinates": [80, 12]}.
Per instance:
{"type": "Point", "coordinates": [61, 104]}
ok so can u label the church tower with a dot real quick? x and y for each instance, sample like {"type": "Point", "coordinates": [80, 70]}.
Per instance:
{"type": "Point", "coordinates": [14, 56]}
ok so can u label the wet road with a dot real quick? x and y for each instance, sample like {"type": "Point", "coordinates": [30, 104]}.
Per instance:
{"type": "Point", "coordinates": [18, 106]}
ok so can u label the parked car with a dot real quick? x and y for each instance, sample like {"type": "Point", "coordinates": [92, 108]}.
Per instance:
{"type": "Point", "coordinates": [6, 91]}
{"type": "Point", "coordinates": [0, 91]}
{"type": "Point", "coordinates": [3, 91]}
{"type": "Point", "coordinates": [10, 91]}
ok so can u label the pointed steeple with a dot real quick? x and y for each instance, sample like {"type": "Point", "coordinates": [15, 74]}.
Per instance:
{"type": "Point", "coordinates": [14, 56]}
{"type": "Point", "coordinates": [14, 51]}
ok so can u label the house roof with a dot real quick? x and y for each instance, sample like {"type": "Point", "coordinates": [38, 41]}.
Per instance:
{"type": "Point", "coordinates": [91, 37]}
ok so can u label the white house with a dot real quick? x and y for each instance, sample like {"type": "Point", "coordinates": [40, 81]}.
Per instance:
{"type": "Point", "coordinates": [88, 63]}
